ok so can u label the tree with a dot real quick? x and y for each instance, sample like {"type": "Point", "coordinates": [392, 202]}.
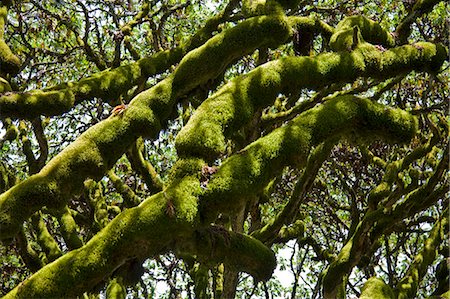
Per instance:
{"type": "Point", "coordinates": [238, 128]}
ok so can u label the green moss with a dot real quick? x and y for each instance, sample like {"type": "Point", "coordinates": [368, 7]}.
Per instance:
{"type": "Point", "coordinates": [187, 167]}
{"type": "Point", "coordinates": [38, 191]}
{"type": "Point", "coordinates": [11, 132]}
{"type": "Point", "coordinates": [334, 274]}
{"type": "Point", "coordinates": [96, 150]}
{"type": "Point", "coordinates": [252, 8]}
{"type": "Point", "coordinates": [394, 125]}
{"type": "Point", "coordinates": [375, 288]}
{"type": "Point", "coordinates": [420, 56]}
{"type": "Point", "coordinates": [251, 169]}
{"type": "Point", "coordinates": [69, 229]}
{"type": "Point", "coordinates": [368, 31]}
{"type": "Point", "coordinates": [115, 289]}
{"type": "Point", "coordinates": [296, 230]}
{"type": "Point", "coordinates": [233, 106]}
{"type": "Point", "coordinates": [145, 230]}
{"type": "Point", "coordinates": [45, 239]}
{"type": "Point", "coordinates": [4, 86]}
{"type": "Point", "coordinates": [160, 99]}
{"type": "Point", "coordinates": [211, 59]}
{"type": "Point", "coordinates": [408, 285]}
{"type": "Point", "coordinates": [9, 63]}
{"type": "Point", "coordinates": [91, 155]}
{"type": "Point", "coordinates": [182, 195]}
{"type": "Point", "coordinates": [237, 251]}
{"type": "Point", "coordinates": [31, 104]}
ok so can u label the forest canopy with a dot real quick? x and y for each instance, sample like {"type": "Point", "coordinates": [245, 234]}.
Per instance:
{"type": "Point", "coordinates": [222, 149]}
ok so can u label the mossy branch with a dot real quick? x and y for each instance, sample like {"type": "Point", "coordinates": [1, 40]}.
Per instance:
{"type": "Point", "coordinates": [143, 167]}
{"type": "Point", "coordinates": [240, 175]}
{"type": "Point", "coordinates": [379, 221]}
{"type": "Point", "coordinates": [142, 231]}
{"type": "Point", "coordinates": [94, 194]}
{"type": "Point", "coordinates": [107, 85]}
{"type": "Point", "coordinates": [97, 149]}
{"type": "Point", "coordinates": [45, 239]}
{"type": "Point", "coordinates": [9, 63]}
{"type": "Point", "coordinates": [376, 288]}
{"type": "Point", "coordinates": [289, 232]}
{"type": "Point", "coordinates": [69, 228]}
{"type": "Point", "coordinates": [271, 230]}
{"type": "Point", "coordinates": [216, 245]}
{"type": "Point", "coordinates": [27, 252]}
{"type": "Point", "coordinates": [420, 198]}
{"type": "Point", "coordinates": [130, 199]}
{"type": "Point", "coordinates": [382, 195]}
{"type": "Point", "coordinates": [408, 285]}
{"type": "Point", "coordinates": [7, 177]}
{"type": "Point", "coordinates": [11, 132]}
{"type": "Point", "coordinates": [233, 106]}
{"type": "Point", "coordinates": [116, 289]}
{"type": "Point", "coordinates": [420, 8]}
{"type": "Point", "coordinates": [343, 38]}
{"type": "Point", "coordinates": [172, 215]}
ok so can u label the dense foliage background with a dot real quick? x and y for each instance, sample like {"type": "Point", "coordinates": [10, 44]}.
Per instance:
{"type": "Point", "coordinates": [61, 41]}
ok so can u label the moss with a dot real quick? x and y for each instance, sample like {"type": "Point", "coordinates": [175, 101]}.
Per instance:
{"type": "Point", "coordinates": [156, 102]}
{"type": "Point", "coordinates": [91, 155]}
{"type": "Point", "coordinates": [252, 8]}
{"type": "Point", "coordinates": [45, 239]}
{"type": "Point", "coordinates": [32, 104]}
{"type": "Point", "coordinates": [310, 25]}
{"type": "Point", "coordinates": [375, 288]}
{"type": "Point", "coordinates": [296, 230]}
{"type": "Point", "coordinates": [4, 86]}
{"type": "Point", "coordinates": [251, 169]}
{"type": "Point", "coordinates": [182, 195]}
{"type": "Point", "coordinates": [389, 123]}
{"type": "Point", "coordinates": [145, 230]}
{"type": "Point", "coordinates": [408, 285]}
{"type": "Point", "coordinates": [38, 191]}
{"type": "Point", "coordinates": [69, 229]}
{"type": "Point", "coordinates": [97, 149]}
{"type": "Point", "coordinates": [9, 63]}
{"type": "Point", "coordinates": [233, 105]}
{"type": "Point", "coordinates": [200, 276]}
{"type": "Point", "coordinates": [333, 276]}
{"type": "Point", "coordinates": [11, 132]}
{"type": "Point", "coordinates": [187, 167]}
{"type": "Point", "coordinates": [115, 289]}
{"type": "Point", "coordinates": [369, 31]}
{"type": "Point", "coordinates": [237, 251]}
{"type": "Point", "coordinates": [211, 59]}
{"type": "Point", "coordinates": [420, 56]}
{"type": "Point", "coordinates": [200, 133]}
{"type": "Point", "coordinates": [94, 194]}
